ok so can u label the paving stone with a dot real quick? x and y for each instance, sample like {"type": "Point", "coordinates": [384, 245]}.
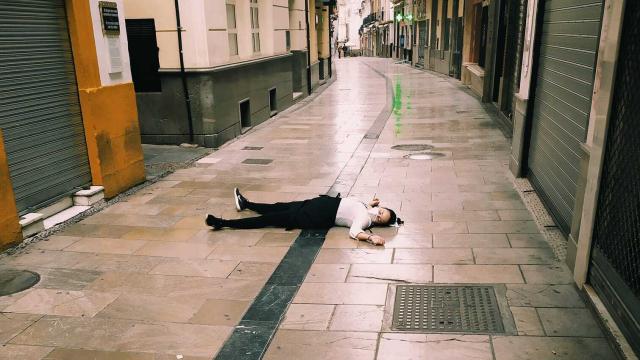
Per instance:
{"type": "Point", "coordinates": [248, 253]}
{"type": "Point", "coordinates": [377, 255]}
{"type": "Point", "coordinates": [569, 322]}
{"type": "Point", "coordinates": [220, 312]}
{"type": "Point", "coordinates": [543, 296]}
{"type": "Point", "coordinates": [562, 348]}
{"type": "Point", "coordinates": [106, 246]}
{"type": "Point", "coordinates": [322, 345]}
{"type": "Point", "coordinates": [527, 240]}
{"type": "Point", "coordinates": [56, 242]}
{"type": "Point", "coordinates": [195, 267]}
{"type": "Point", "coordinates": [253, 271]}
{"type": "Point", "coordinates": [71, 354]}
{"type": "Point", "coordinates": [117, 335]}
{"type": "Point", "coordinates": [527, 321]}
{"type": "Point", "coordinates": [514, 256]}
{"type": "Point", "coordinates": [433, 256]}
{"type": "Point", "coordinates": [24, 352]}
{"type": "Point", "coordinates": [13, 324]}
{"type": "Point", "coordinates": [357, 318]}
{"type": "Point", "coordinates": [62, 302]}
{"type": "Point", "coordinates": [327, 273]}
{"type": "Point", "coordinates": [176, 250]}
{"type": "Point", "coordinates": [66, 279]}
{"type": "Point", "coordinates": [307, 317]}
{"type": "Point", "coordinates": [515, 214]}
{"type": "Point", "coordinates": [501, 227]}
{"type": "Point", "coordinates": [556, 273]}
{"type": "Point", "coordinates": [508, 274]}
{"type": "Point", "coordinates": [341, 293]}
{"type": "Point", "coordinates": [151, 308]}
{"type": "Point", "coordinates": [434, 347]}
{"type": "Point", "coordinates": [470, 241]}
{"type": "Point", "coordinates": [386, 273]}
{"type": "Point", "coordinates": [404, 241]}
{"type": "Point", "coordinates": [465, 215]}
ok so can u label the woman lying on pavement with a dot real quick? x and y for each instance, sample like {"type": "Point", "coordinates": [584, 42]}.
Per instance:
{"type": "Point", "coordinates": [322, 212]}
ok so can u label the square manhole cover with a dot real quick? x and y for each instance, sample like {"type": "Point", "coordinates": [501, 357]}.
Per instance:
{"type": "Point", "coordinates": [257, 161]}
{"type": "Point", "coordinates": [252, 148]}
{"type": "Point", "coordinates": [427, 308]}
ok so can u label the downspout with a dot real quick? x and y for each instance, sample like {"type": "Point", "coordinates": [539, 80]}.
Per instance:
{"type": "Point", "coordinates": [306, 17]}
{"type": "Point", "coordinates": [330, 39]}
{"type": "Point", "coordinates": [183, 74]}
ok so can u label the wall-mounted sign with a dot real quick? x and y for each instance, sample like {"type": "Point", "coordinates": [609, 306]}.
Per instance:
{"type": "Point", "coordinates": [110, 19]}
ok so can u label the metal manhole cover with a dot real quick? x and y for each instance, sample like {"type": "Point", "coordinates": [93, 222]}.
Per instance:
{"type": "Point", "coordinates": [14, 281]}
{"type": "Point", "coordinates": [412, 147]}
{"type": "Point", "coordinates": [252, 148]}
{"type": "Point", "coordinates": [426, 308]}
{"type": "Point", "coordinates": [425, 156]}
{"type": "Point", "coordinates": [257, 161]}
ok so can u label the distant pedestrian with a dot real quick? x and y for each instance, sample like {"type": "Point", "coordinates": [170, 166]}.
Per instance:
{"type": "Point", "coordinates": [322, 212]}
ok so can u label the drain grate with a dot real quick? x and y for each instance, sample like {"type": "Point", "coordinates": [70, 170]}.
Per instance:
{"type": "Point", "coordinates": [426, 308]}
{"type": "Point", "coordinates": [424, 156]}
{"type": "Point", "coordinates": [252, 148]}
{"type": "Point", "coordinates": [412, 147]}
{"type": "Point", "coordinates": [257, 161]}
{"type": "Point", "coordinates": [14, 281]}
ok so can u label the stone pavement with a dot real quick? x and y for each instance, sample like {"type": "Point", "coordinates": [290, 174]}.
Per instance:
{"type": "Point", "coordinates": [145, 279]}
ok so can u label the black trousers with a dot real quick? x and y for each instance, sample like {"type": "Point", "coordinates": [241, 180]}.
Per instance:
{"type": "Point", "coordinates": [316, 213]}
{"type": "Point", "coordinates": [272, 215]}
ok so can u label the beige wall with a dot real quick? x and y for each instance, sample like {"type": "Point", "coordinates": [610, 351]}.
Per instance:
{"type": "Point", "coordinates": [205, 36]}
{"type": "Point", "coordinates": [312, 32]}
{"type": "Point", "coordinates": [297, 25]}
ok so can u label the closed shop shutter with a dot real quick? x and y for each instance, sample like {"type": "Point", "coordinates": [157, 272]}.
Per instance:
{"type": "Point", "coordinates": [562, 102]}
{"type": "Point", "coordinates": [39, 106]}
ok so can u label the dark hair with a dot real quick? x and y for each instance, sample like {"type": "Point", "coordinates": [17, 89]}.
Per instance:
{"type": "Point", "coordinates": [393, 218]}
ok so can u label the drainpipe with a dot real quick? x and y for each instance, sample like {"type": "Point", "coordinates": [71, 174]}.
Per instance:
{"type": "Point", "coordinates": [306, 17]}
{"type": "Point", "coordinates": [183, 74]}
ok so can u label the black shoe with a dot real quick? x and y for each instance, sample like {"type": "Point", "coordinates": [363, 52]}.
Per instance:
{"type": "Point", "coordinates": [241, 201]}
{"type": "Point", "coordinates": [213, 221]}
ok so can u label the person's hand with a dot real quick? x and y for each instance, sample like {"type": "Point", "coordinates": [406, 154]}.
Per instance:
{"type": "Point", "coordinates": [375, 239]}
{"type": "Point", "coordinates": [374, 202]}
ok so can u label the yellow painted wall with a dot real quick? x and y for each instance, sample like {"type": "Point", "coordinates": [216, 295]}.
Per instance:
{"type": "Point", "coordinates": [109, 113]}
{"type": "Point", "coordinates": [10, 231]}
{"type": "Point", "coordinates": [313, 36]}
{"type": "Point", "coordinates": [323, 32]}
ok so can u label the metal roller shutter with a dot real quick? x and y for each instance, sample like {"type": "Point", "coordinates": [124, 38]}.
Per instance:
{"type": "Point", "coordinates": [564, 84]}
{"type": "Point", "coordinates": [39, 106]}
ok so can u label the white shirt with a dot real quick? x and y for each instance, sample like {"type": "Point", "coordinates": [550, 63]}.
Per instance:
{"type": "Point", "coordinates": [355, 215]}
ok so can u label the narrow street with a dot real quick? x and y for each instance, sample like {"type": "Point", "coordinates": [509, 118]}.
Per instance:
{"type": "Point", "coordinates": [146, 279]}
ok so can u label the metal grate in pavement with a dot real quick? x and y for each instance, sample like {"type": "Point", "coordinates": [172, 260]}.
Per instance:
{"type": "Point", "coordinates": [252, 148]}
{"type": "Point", "coordinates": [412, 147]}
{"type": "Point", "coordinates": [257, 161]}
{"type": "Point", "coordinates": [427, 308]}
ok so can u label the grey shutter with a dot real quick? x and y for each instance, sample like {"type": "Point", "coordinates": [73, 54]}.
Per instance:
{"type": "Point", "coordinates": [568, 49]}
{"type": "Point", "coordinates": [39, 106]}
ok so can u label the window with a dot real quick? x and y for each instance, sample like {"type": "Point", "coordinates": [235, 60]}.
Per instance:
{"type": "Point", "coordinates": [255, 25]}
{"type": "Point", "coordinates": [232, 30]}
{"type": "Point", "coordinates": [287, 35]}
{"type": "Point", "coordinates": [143, 55]}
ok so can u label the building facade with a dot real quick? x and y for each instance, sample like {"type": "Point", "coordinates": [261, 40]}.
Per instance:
{"type": "Point", "coordinates": [205, 71]}
{"type": "Point", "coordinates": [68, 119]}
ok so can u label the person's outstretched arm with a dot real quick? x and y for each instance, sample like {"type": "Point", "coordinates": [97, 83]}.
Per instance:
{"type": "Point", "coordinates": [370, 238]}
